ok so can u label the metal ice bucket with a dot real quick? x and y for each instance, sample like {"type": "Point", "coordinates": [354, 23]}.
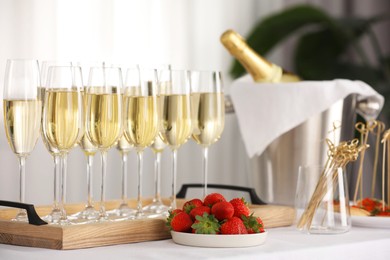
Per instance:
{"type": "Point", "coordinates": [274, 173]}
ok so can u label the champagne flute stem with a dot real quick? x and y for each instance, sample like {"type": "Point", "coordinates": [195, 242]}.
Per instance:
{"type": "Point", "coordinates": [205, 171]}
{"type": "Point", "coordinates": [103, 213]}
{"type": "Point", "coordinates": [157, 177]}
{"type": "Point", "coordinates": [124, 178]}
{"type": "Point", "coordinates": [57, 162]}
{"type": "Point", "coordinates": [139, 195]}
{"type": "Point", "coordinates": [174, 173]}
{"type": "Point", "coordinates": [22, 163]}
{"type": "Point", "coordinates": [89, 179]}
{"type": "Point", "coordinates": [63, 186]}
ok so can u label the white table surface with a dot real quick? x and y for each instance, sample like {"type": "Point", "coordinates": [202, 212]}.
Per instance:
{"type": "Point", "coordinates": [282, 243]}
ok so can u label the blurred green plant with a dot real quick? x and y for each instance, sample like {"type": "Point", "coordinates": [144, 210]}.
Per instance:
{"type": "Point", "coordinates": [325, 46]}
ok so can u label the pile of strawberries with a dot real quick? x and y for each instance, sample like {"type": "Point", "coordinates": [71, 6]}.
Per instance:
{"type": "Point", "coordinates": [215, 215]}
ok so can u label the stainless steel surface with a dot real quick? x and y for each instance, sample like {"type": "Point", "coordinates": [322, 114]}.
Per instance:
{"type": "Point", "coordinates": [274, 173]}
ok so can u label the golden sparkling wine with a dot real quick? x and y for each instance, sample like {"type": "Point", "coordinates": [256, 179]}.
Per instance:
{"type": "Point", "coordinates": [103, 119]}
{"type": "Point", "coordinates": [257, 66]}
{"type": "Point", "coordinates": [52, 150]}
{"type": "Point", "coordinates": [142, 120]}
{"type": "Point", "coordinates": [208, 120]}
{"type": "Point", "coordinates": [61, 121]}
{"type": "Point", "coordinates": [22, 124]}
{"type": "Point", "coordinates": [176, 120]}
{"type": "Point", "coordinates": [85, 144]}
{"type": "Point", "coordinates": [158, 145]}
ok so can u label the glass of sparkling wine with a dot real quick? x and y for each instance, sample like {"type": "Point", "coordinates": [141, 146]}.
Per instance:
{"type": "Point", "coordinates": [176, 119]}
{"type": "Point", "coordinates": [104, 116]}
{"type": "Point", "coordinates": [22, 114]}
{"type": "Point", "coordinates": [124, 147]}
{"type": "Point", "coordinates": [208, 110]}
{"type": "Point", "coordinates": [157, 208]}
{"type": "Point", "coordinates": [62, 118]}
{"type": "Point", "coordinates": [55, 214]}
{"type": "Point", "coordinates": [141, 119]}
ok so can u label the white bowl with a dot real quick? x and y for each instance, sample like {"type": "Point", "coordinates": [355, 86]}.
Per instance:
{"type": "Point", "coordinates": [201, 240]}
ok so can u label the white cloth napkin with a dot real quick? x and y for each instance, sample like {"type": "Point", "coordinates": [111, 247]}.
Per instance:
{"type": "Point", "coordinates": [267, 110]}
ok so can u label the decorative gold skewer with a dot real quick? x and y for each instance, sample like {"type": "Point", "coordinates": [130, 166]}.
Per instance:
{"type": "Point", "coordinates": [336, 125]}
{"type": "Point", "coordinates": [385, 140]}
{"type": "Point", "coordinates": [380, 128]}
{"type": "Point", "coordinates": [364, 130]}
{"type": "Point", "coordinates": [388, 172]}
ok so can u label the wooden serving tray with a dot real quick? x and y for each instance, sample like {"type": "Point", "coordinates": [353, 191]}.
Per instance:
{"type": "Point", "coordinates": [109, 233]}
{"type": "Point", "coordinates": [83, 235]}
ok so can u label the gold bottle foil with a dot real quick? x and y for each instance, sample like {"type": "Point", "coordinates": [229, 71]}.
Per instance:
{"type": "Point", "coordinates": [260, 69]}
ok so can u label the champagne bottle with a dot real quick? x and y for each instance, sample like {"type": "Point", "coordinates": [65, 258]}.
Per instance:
{"type": "Point", "coordinates": [260, 69]}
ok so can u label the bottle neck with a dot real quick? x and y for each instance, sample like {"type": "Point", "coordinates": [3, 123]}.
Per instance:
{"type": "Point", "coordinates": [258, 67]}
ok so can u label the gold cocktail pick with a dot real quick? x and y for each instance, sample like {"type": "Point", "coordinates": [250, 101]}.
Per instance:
{"type": "Point", "coordinates": [386, 147]}
{"type": "Point", "coordinates": [379, 130]}
{"type": "Point", "coordinates": [364, 130]}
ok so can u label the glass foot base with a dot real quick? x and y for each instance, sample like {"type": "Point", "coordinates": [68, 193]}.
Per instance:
{"type": "Point", "coordinates": [54, 216]}
{"type": "Point", "coordinates": [122, 212]}
{"type": "Point", "coordinates": [89, 214]}
{"type": "Point", "coordinates": [21, 216]}
{"type": "Point", "coordinates": [156, 209]}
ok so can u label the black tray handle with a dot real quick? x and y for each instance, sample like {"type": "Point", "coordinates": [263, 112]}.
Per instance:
{"type": "Point", "coordinates": [252, 193]}
{"type": "Point", "coordinates": [32, 215]}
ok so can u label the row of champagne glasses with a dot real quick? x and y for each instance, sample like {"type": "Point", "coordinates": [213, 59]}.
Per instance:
{"type": "Point", "coordinates": [159, 109]}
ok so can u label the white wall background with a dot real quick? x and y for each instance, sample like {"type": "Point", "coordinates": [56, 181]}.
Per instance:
{"type": "Point", "coordinates": [182, 33]}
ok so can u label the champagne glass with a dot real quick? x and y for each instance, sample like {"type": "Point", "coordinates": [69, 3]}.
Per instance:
{"type": "Point", "coordinates": [104, 116]}
{"type": "Point", "coordinates": [208, 110]}
{"type": "Point", "coordinates": [176, 119]}
{"type": "Point", "coordinates": [157, 208]}
{"type": "Point", "coordinates": [141, 119]}
{"type": "Point", "coordinates": [124, 147]}
{"type": "Point", "coordinates": [89, 213]}
{"type": "Point", "coordinates": [62, 119]}
{"type": "Point", "coordinates": [22, 114]}
{"type": "Point", "coordinates": [55, 214]}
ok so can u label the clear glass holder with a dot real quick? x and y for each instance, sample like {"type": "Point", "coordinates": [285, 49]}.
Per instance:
{"type": "Point", "coordinates": [326, 211]}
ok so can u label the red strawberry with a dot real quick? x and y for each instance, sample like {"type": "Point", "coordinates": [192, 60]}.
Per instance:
{"type": "Point", "coordinates": [181, 222]}
{"type": "Point", "coordinates": [253, 224]}
{"type": "Point", "coordinates": [232, 226]}
{"type": "Point", "coordinates": [222, 210]}
{"type": "Point", "coordinates": [199, 211]}
{"type": "Point", "coordinates": [206, 224]}
{"type": "Point", "coordinates": [172, 213]}
{"type": "Point", "coordinates": [240, 207]}
{"type": "Point", "coordinates": [191, 204]}
{"type": "Point", "coordinates": [213, 198]}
